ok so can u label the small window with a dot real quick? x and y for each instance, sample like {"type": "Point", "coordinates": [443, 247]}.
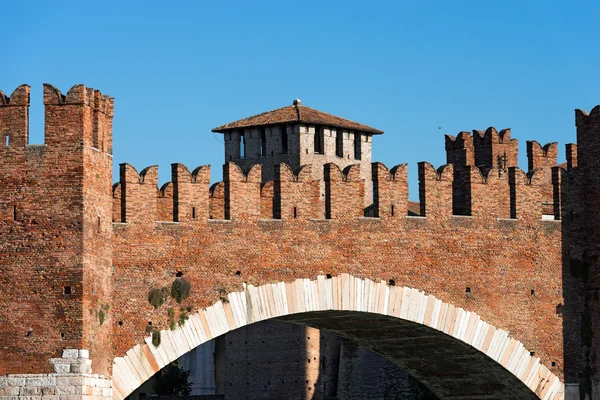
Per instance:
{"type": "Point", "coordinates": [242, 145]}
{"type": "Point", "coordinates": [357, 145]}
{"type": "Point", "coordinates": [194, 212]}
{"type": "Point", "coordinates": [284, 140]}
{"type": "Point", "coordinates": [318, 140]}
{"type": "Point", "coordinates": [14, 213]}
{"type": "Point", "coordinates": [392, 210]}
{"type": "Point", "coordinates": [263, 142]}
{"type": "Point", "coordinates": [7, 140]}
{"type": "Point", "coordinates": [99, 225]}
{"type": "Point", "coordinates": [295, 212]}
{"type": "Point", "coordinates": [339, 143]}
{"type": "Point", "coordinates": [67, 290]}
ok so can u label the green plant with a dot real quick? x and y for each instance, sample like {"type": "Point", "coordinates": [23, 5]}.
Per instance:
{"type": "Point", "coordinates": [156, 297]}
{"type": "Point", "coordinates": [171, 313]}
{"type": "Point", "coordinates": [101, 316]}
{"type": "Point", "coordinates": [180, 289]}
{"type": "Point", "coordinates": [149, 329]}
{"type": "Point", "coordinates": [156, 338]}
{"type": "Point", "coordinates": [106, 307]}
{"type": "Point", "coordinates": [183, 317]}
{"type": "Point", "coordinates": [172, 380]}
{"type": "Point", "coordinates": [172, 325]}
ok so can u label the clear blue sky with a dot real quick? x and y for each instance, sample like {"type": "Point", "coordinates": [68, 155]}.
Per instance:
{"type": "Point", "coordinates": [178, 69]}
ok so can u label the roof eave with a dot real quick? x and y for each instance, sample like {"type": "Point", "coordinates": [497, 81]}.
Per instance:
{"type": "Point", "coordinates": [219, 129]}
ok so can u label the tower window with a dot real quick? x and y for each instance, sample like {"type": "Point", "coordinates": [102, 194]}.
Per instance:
{"type": "Point", "coordinates": [318, 140]}
{"type": "Point", "coordinates": [339, 143]}
{"type": "Point", "coordinates": [284, 140]}
{"type": "Point", "coordinates": [7, 140]}
{"type": "Point", "coordinates": [263, 142]}
{"type": "Point", "coordinates": [357, 145]}
{"type": "Point", "coordinates": [242, 145]}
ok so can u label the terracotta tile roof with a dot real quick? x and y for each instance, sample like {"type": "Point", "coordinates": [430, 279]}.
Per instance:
{"type": "Point", "coordinates": [296, 113]}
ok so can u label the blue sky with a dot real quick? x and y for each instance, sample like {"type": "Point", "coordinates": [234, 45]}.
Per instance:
{"type": "Point", "coordinates": [178, 69]}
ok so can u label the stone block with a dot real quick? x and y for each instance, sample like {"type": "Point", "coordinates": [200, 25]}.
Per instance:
{"type": "Point", "coordinates": [9, 391]}
{"type": "Point", "coordinates": [16, 381]}
{"type": "Point", "coordinates": [70, 353]}
{"type": "Point", "coordinates": [81, 368]}
{"type": "Point", "coordinates": [41, 381]}
{"type": "Point", "coordinates": [63, 390]}
{"type": "Point", "coordinates": [48, 391]}
{"type": "Point", "coordinates": [69, 381]}
{"type": "Point", "coordinates": [62, 368]}
{"type": "Point", "coordinates": [84, 353]}
{"type": "Point", "coordinates": [30, 391]}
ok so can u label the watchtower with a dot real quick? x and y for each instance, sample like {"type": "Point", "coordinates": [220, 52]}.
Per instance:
{"type": "Point", "coordinates": [299, 135]}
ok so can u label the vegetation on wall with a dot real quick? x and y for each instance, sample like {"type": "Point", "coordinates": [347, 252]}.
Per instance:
{"type": "Point", "coordinates": [157, 297]}
{"type": "Point", "coordinates": [180, 289]}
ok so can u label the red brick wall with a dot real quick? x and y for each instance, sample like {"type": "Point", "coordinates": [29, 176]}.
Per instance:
{"type": "Point", "coordinates": [56, 230]}
{"type": "Point", "coordinates": [501, 261]}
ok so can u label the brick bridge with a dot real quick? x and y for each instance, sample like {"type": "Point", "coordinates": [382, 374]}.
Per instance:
{"type": "Point", "coordinates": [488, 292]}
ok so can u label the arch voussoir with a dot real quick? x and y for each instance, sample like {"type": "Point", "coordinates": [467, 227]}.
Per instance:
{"type": "Point", "coordinates": [341, 293]}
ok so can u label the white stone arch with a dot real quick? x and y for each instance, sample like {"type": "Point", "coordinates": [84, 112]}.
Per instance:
{"type": "Point", "coordinates": [342, 293]}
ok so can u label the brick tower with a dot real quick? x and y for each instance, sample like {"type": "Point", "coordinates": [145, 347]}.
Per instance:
{"type": "Point", "coordinates": [299, 135]}
{"type": "Point", "coordinates": [55, 261]}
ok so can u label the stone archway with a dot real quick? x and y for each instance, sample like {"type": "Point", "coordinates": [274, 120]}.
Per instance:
{"type": "Point", "coordinates": [458, 354]}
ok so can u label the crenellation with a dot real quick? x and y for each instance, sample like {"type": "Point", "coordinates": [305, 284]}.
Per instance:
{"type": "Point", "coordinates": [165, 203]}
{"type": "Point", "coordinates": [344, 192]}
{"type": "Point", "coordinates": [14, 119]}
{"type": "Point", "coordinates": [460, 150]}
{"type": "Point", "coordinates": [539, 157]}
{"type": "Point", "coordinates": [435, 190]}
{"type": "Point", "coordinates": [390, 191]}
{"type": "Point", "coordinates": [489, 194]}
{"type": "Point", "coordinates": [571, 155]}
{"type": "Point", "coordinates": [242, 192]}
{"type": "Point", "coordinates": [267, 193]}
{"type": "Point", "coordinates": [190, 197]}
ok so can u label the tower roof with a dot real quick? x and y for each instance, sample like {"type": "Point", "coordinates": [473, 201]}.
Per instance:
{"type": "Point", "coordinates": [296, 113]}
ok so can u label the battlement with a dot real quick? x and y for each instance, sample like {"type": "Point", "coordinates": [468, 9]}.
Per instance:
{"type": "Point", "coordinates": [539, 157]}
{"type": "Point", "coordinates": [296, 195]}
{"type": "Point", "coordinates": [82, 116]}
{"type": "Point", "coordinates": [484, 149]}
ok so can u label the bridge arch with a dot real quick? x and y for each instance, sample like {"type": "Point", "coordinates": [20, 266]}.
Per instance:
{"type": "Point", "coordinates": [450, 350]}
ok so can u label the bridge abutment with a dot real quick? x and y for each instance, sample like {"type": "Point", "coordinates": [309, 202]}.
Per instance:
{"type": "Point", "coordinates": [72, 380]}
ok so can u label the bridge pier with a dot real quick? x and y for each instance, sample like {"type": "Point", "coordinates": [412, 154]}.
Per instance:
{"type": "Point", "coordinates": [72, 380]}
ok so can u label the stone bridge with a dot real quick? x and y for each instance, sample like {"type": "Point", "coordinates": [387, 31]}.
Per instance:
{"type": "Point", "coordinates": [487, 293]}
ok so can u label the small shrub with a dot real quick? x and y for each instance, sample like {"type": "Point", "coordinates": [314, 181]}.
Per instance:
{"type": "Point", "coordinates": [101, 316]}
{"type": "Point", "coordinates": [149, 329]}
{"type": "Point", "coordinates": [182, 318]}
{"type": "Point", "coordinates": [156, 297]}
{"type": "Point", "coordinates": [172, 325]}
{"type": "Point", "coordinates": [106, 307]}
{"type": "Point", "coordinates": [171, 313]}
{"type": "Point", "coordinates": [156, 338]}
{"type": "Point", "coordinates": [180, 290]}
